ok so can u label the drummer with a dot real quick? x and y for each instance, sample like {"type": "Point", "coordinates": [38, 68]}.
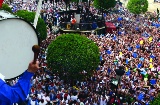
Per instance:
{"type": "Point", "coordinates": [19, 92]}
{"type": "Point", "coordinates": [73, 22]}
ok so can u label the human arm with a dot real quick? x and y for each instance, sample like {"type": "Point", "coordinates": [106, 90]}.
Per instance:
{"type": "Point", "coordinates": [19, 92]}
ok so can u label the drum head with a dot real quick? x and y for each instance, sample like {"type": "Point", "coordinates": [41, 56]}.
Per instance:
{"type": "Point", "coordinates": [16, 40]}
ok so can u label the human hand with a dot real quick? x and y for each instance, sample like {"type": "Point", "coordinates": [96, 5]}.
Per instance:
{"type": "Point", "coordinates": [33, 67]}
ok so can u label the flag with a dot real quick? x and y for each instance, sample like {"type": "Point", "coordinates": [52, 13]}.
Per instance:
{"type": "Point", "coordinates": [152, 56]}
{"type": "Point", "coordinates": [108, 52]}
{"type": "Point", "coordinates": [150, 60]}
{"type": "Point", "coordinates": [152, 81]}
{"type": "Point", "coordinates": [128, 73]}
{"type": "Point", "coordinates": [150, 39]}
{"type": "Point", "coordinates": [141, 42]}
{"type": "Point", "coordinates": [139, 65]}
{"type": "Point", "coordinates": [150, 65]}
{"type": "Point", "coordinates": [114, 38]}
{"type": "Point", "coordinates": [140, 96]}
{"type": "Point", "coordinates": [126, 69]}
{"type": "Point", "coordinates": [120, 53]}
{"type": "Point", "coordinates": [135, 55]}
{"type": "Point", "coordinates": [138, 46]}
{"type": "Point", "coordinates": [127, 61]}
{"type": "Point", "coordinates": [1, 2]}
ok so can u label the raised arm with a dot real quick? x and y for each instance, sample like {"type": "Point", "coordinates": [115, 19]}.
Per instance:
{"type": "Point", "coordinates": [19, 92]}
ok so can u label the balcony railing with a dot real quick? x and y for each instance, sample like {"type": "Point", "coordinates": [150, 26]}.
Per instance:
{"type": "Point", "coordinates": [82, 26]}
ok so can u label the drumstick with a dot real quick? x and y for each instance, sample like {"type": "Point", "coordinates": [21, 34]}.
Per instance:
{"type": "Point", "coordinates": [36, 50]}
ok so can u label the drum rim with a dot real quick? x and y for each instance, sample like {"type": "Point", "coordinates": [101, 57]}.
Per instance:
{"type": "Point", "coordinates": [36, 36]}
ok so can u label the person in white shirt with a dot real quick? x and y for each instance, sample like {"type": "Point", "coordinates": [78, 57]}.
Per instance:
{"type": "Point", "coordinates": [33, 100]}
{"type": "Point", "coordinates": [74, 97]}
{"type": "Point", "coordinates": [103, 101]}
{"type": "Point", "coordinates": [43, 102]}
{"type": "Point", "coordinates": [64, 101]}
{"type": "Point", "coordinates": [46, 98]}
{"type": "Point", "coordinates": [68, 96]}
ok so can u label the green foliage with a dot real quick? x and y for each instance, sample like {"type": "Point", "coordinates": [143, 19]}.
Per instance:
{"type": "Point", "coordinates": [6, 8]}
{"type": "Point", "coordinates": [156, 101]}
{"type": "Point", "coordinates": [28, 16]}
{"type": "Point", "coordinates": [69, 54]}
{"type": "Point", "coordinates": [41, 26]}
{"type": "Point", "coordinates": [137, 6]}
{"type": "Point", "coordinates": [104, 4]}
{"type": "Point", "coordinates": [41, 29]}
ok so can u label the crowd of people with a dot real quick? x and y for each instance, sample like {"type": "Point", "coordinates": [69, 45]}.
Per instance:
{"type": "Point", "coordinates": [54, 13]}
{"type": "Point", "coordinates": [135, 47]}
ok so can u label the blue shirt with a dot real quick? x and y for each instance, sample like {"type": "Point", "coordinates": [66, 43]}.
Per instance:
{"type": "Point", "coordinates": [17, 93]}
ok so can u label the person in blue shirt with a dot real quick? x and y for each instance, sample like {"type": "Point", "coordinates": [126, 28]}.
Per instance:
{"type": "Point", "coordinates": [18, 92]}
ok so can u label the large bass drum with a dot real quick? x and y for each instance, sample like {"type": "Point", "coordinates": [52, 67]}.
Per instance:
{"type": "Point", "coordinates": [17, 37]}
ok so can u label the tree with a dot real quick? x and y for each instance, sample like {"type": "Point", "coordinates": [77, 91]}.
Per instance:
{"type": "Point", "coordinates": [137, 6]}
{"type": "Point", "coordinates": [41, 26]}
{"type": "Point", "coordinates": [104, 4]}
{"type": "Point", "coordinates": [6, 8]}
{"type": "Point", "coordinates": [156, 101]}
{"type": "Point", "coordinates": [70, 54]}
